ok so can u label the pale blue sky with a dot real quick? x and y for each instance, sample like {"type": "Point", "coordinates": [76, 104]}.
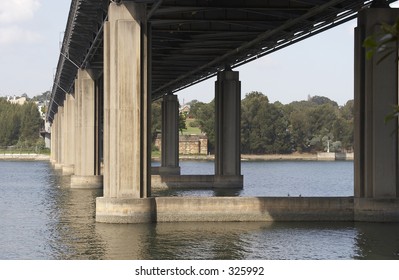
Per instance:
{"type": "Point", "coordinates": [30, 32]}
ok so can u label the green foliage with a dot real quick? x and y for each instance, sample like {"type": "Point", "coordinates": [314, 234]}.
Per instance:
{"type": "Point", "coordinates": [384, 42]}
{"type": "Point", "coordinates": [301, 126]}
{"type": "Point", "coordinates": [182, 122]}
{"type": "Point", "coordinates": [382, 45]}
{"type": "Point", "coordinates": [264, 127]}
{"type": "Point", "coordinates": [19, 125]}
{"type": "Point", "coordinates": [156, 119]}
{"type": "Point", "coordinates": [205, 117]}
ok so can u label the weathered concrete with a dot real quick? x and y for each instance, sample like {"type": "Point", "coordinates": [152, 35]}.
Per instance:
{"type": "Point", "coordinates": [223, 209]}
{"type": "Point", "coordinates": [228, 129]}
{"type": "Point", "coordinates": [126, 105]}
{"type": "Point", "coordinates": [182, 181]}
{"type": "Point", "coordinates": [376, 92]}
{"type": "Point", "coordinates": [86, 157]}
{"type": "Point", "coordinates": [125, 210]}
{"type": "Point", "coordinates": [68, 166]}
{"type": "Point", "coordinates": [170, 135]}
{"type": "Point", "coordinates": [86, 182]}
{"type": "Point", "coordinates": [376, 210]}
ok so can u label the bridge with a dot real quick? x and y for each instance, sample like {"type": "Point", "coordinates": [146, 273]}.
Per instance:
{"type": "Point", "coordinates": [119, 56]}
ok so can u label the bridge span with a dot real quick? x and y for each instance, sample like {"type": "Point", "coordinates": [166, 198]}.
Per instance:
{"type": "Point", "coordinates": [118, 56]}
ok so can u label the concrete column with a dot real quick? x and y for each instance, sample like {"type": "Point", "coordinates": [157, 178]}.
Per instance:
{"type": "Point", "coordinates": [228, 134]}
{"type": "Point", "coordinates": [54, 137]}
{"type": "Point", "coordinates": [126, 116]}
{"type": "Point", "coordinates": [170, 136]}
{"type": "Point", "coordinates": [376, 142]}
{"type": "Point", "coordinates": [87, 164]}
{"type": "Point", "coordinates": [59, 140]}
{"type": "Point", "coordinates": [69, 140]}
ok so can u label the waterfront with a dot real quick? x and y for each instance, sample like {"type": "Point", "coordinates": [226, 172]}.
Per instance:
{"type": "Point", "coordinates": [42, 218]}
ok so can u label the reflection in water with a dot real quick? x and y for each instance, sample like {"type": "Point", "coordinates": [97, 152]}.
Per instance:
{"type": "Point", "coordinates": [71, 221]}
{"type": "Point", "coordinates": [42, 218]}
{"type": "Point", "coordinates": [377, 241]}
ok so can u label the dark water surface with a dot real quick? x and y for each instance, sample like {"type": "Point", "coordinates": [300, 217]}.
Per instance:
{"type": "Point", "coordinates": [42, 218]}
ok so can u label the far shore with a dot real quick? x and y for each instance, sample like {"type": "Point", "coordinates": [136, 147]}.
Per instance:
{"type": "Point", "coordinates": [244, 157]}
{"type": "Point", "coordinates": [25, 157]}
{"type": "Point", "coordinates": [266, 157]}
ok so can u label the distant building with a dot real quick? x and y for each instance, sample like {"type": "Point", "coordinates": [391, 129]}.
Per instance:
{"type": "Point", "coordinates": [188, 144]}
{"type": "Point", "coordinates": [185, 109]}
{"type": "Point", "coordinates": [16, 100]}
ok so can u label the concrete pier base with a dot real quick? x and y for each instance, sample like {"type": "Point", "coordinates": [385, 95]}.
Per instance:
{"type": "Point", "coordinates": [58, 166]}
{"type": "Point", "coordinates": [125, 210]}
{"type": "Point", "coordinates": [229, 181]}
{"type": "Point", "coordinates": [169, 170]}
{"type": "Point", "coordinates": [223, 209]}
{"type": "Point", "coordinates": [376, 210]}
{"type": "Point", "coordinates": [68, 169]}
{"type": "Point", "coordinates": [86, 182]}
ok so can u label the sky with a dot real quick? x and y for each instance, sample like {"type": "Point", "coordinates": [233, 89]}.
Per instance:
{"type": "Point", "coordinates": [31, 31]}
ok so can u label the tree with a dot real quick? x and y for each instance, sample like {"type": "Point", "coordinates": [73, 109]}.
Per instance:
{"type": "Point", "coordinates": [182, 122]}
{"type": "Point", "coordinates": [264, 126]}
{"type": "Point", "coordinates": [30, 124]}
{"type": "Point", "coordinates": [156, 119]}
{"type": "Point", "coordinates": [205, 116]}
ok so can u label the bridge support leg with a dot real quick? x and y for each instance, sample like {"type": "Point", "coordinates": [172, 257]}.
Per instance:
{"type": "Point", "coordinates": [228, 118]}
{"type": "Point", "coordinates": [59, 141]}
{"type": "Point", "coordinates": [87, 173]}
{"type": "Point", "coordinates": [54, 140]}
{"type": "Point", "coordinates": [376, 142]}
{"type": "Point", "coordinates": [69, 141]}
{"type": "Point", "coordinates": [170, 136]}
{"type": "Point", "coordinates": [126, 111]}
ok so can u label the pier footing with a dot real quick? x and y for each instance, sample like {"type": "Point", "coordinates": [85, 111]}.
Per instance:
{"type": "Point", "coordinates": [376, 210]}
{"type": "Point", "coordinates": [223, 209]}
{"type": "Point", "coordinates": [86, 182]}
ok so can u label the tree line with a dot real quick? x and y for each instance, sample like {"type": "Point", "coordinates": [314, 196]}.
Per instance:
{"type": "Point", "coordinates": [317, 124]}
{"type": "Point", "coordinates": [20, 125]}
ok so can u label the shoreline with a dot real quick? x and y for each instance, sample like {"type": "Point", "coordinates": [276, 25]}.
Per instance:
{"type": "Point", "coordinates": [271, 157]}
{"type": "Point", "coordinates": [244, 157]}
{"type": "Point", "coordinates": [24, 157]}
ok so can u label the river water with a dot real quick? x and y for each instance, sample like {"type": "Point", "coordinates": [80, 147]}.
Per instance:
{"type": "Point", "coordinates": [42, 218]}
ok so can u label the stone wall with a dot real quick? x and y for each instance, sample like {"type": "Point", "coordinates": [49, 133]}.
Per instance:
{"type": "Point", "coordinates": [189, 144]}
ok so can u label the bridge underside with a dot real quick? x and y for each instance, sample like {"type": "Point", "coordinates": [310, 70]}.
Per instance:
{"type": "Point", "coordinates": [193, 40]}
{"type": "Point", "coordinates": [117, 57]}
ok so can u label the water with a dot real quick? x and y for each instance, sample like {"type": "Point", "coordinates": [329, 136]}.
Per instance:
{"type": "Point", "coordinates": [42, 218]}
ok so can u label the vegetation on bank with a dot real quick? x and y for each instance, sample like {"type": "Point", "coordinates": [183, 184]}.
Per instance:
{"type": "Point", "coordinates": [315, 125]}
{"type": "Point", "coordinates": [20, 128]}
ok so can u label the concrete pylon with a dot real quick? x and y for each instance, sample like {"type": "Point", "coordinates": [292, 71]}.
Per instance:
{"type": "Point", "coordinates": [69, 140]}
{"type": "Point", "coordinates": [228, 134]}
{"type": "Point", "coordinates": [54, 140]}
{"type": "Point", "coordinates": [126, 116]}
{"type": "Point", "coordinates": [170, 136]}
{"type": "Point", "coordinates": [376, 142]}
{"type": "Point", "coordinates": [86, 164]}
{"type": "Point", "coordinates": [60, 136]}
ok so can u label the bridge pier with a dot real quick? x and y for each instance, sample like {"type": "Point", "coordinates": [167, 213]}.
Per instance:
{"type": "Point", "coordinates": [376, 142]}
{"type": "Point", "coordinates": [170, 136]}
{"type": "Point", "coordinates": [228, 134]}
{"type": "Point", "coordinates": [87, 165]}
{"type": "Point", "coordinates": [60, 135]}
{"type": "Point", "coordinates": [126, 117]}
{"type": "Point", "coordinates": [54, 141]}
{"type": "Point", "coordinates": [69, 132]}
